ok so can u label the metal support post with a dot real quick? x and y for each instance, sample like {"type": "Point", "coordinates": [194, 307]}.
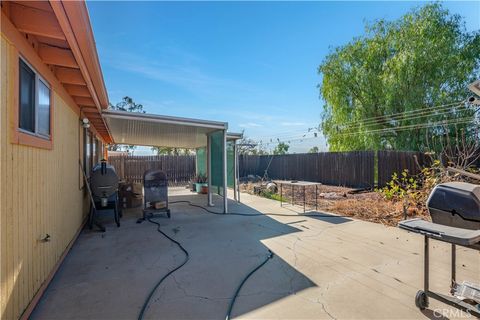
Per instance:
{"type": "Point", "coordinates": [454, 267]}
{"type": "Point", "coordinates": [209, 171]}
{"type": "Point", "coordinates": [225, 191]}
{"type": "Point", "coordinates": [237, 173]}
{"type": "Point", "coordinates": [426, 269]}
{"type": "Point", "coordinates": [235, 182]}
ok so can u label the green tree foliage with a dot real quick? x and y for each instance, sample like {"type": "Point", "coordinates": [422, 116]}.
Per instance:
{"type": "Point", "coordinates": [383, 81]}
{"type": "Point", "coordinates": [313, 150]}
{"type": "Point", "coordinates": [171, 151]}
{"type": "Point", "coordinates": [127, 104]}
{"type": "Point", "coordinates": [281, 148]}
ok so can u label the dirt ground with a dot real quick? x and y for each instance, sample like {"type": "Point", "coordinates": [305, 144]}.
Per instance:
{"type": "Point", "coordinates": [368, 206]}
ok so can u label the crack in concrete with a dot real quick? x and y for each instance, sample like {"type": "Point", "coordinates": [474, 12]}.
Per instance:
{"type": "Point", "coordinates": [322, 304]}
{"type": "Point", "coordinates": [186, 294]}
{"type": "Point", "coordinates": [327, 312]}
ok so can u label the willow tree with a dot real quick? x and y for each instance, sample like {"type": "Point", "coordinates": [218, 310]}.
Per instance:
{"type": "Point", "coordinates": [386, 89]}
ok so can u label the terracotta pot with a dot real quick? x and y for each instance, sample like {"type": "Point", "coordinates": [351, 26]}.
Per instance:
{"type": "Point", "coordinates": [204, 190]}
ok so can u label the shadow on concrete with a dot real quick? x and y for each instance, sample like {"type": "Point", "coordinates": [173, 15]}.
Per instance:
{"type": "Point", "coordinates": [108, 275]}
{"type": "Point", "coordinates": [430, 314]}
{"type": "Point", "coordinates": [329, 218]}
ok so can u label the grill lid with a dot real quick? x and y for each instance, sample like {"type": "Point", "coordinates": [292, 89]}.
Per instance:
{"type": "Point", "coordinates": [456, 198]}
{"type": "Point", "coordinates": [103, 180]}
{"type": "Point", "coordinates": [155, 187]}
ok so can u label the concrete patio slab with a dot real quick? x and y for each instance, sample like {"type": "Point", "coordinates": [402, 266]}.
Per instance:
{"type": "Point", "coordinates": [323, 268]}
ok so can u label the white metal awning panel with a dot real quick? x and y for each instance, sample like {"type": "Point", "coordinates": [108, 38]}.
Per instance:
{"type": "Point", "coordinates": [156, 130]}
{"type": "Point", "coordinates": [234, 136]}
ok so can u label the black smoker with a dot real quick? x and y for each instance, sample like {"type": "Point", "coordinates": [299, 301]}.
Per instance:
{"type": "Point", "coordinates": [155, 193]}
{"type": "Point", "coordinates": [104, 188]}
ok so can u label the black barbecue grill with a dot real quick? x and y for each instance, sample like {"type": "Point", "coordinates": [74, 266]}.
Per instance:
{"type": "Point", "coordinates": [155, 193]}
{"type": "Point", "coordinates": [455, 211]}
{"type": "Point", "coordinates": [104, 189]}
{"type": "Point", "coordinates": [455, 204]}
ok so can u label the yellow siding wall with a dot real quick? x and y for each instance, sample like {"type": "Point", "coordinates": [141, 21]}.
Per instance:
{"type": "Point", "coordinates": [40, 194]}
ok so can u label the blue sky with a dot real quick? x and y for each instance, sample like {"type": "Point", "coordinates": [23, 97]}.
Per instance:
{"type": "Point", "coordinates": [253, 64]}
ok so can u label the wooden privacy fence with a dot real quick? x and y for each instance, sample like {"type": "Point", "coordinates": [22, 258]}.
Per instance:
{"type": "Point", "coordinates": [390, 162]}
{"type": "Point", "coordinates": [358, 169]}
{"type": "Point", "coordinates": [353, 169]}
{"type": "Point", "coordinates": [179, 169]}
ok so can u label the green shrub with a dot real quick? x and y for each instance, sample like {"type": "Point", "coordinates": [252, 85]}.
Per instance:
{"type": "Point", "coordinates": [270, 195]}
{"type": "Point", "coordinates": [400, 187]}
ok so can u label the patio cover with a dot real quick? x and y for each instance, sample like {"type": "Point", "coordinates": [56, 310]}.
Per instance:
{"type": "Point", "coordinates": [145, 129]}
{"type": "Point", "coordinates": [166, 131]}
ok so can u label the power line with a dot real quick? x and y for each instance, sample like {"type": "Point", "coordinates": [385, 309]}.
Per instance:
{"type": "Point", "coordinates": [416, 110]}
{"type": "Point", "coordinates": [289, 132]}
{"type": "Point", "coordinates": [401, 116]}
{"type": "Point", "coordinates": [411, 117]}
{"type": "Point", "coordinates": [395, 129]}
{"type": "Point", "coordinates": [414, 126]}
{"type": "Point", "coordinates": [421, 112]}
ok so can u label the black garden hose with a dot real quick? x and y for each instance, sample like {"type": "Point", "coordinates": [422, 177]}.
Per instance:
{"type": "Point", "coordinates": [187, 257]}
{"type": "Point", "coordinates": [232, 302]}
{"type": "Point", "coordinates": [254, 214]}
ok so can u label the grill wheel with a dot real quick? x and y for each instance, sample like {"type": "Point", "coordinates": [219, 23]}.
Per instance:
{"type": "Point", "coordinates": [421, 300]}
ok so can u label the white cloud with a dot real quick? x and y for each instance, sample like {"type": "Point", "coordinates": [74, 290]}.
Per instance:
{"type": "Point", "coordinates": [185, 75]}
{"type": "Point", "coordinates": [292, 124]}
{"type": "Point", "coordinates": [249, 125]}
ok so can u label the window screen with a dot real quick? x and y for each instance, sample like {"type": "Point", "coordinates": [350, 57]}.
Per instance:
{"type": "Point", "coordinates": [43, 109]}
{"type": "Point", "coordinates": [27, 98]}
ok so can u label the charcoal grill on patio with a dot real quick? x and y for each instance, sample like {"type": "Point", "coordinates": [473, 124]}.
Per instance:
{"type": "Point", "coordinates": [455, 211]}
{"type": "Point", "coordinates": [155, 193]}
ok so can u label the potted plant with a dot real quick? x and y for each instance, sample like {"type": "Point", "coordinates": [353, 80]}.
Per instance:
{"type": "Point", "coordinates": [193, 184]}
{"type": "Point", "coordinates": [201, 180]}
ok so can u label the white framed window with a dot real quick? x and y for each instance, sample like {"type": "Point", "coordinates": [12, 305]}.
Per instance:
{"type": "Point", "coordinates": [34, 102]}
